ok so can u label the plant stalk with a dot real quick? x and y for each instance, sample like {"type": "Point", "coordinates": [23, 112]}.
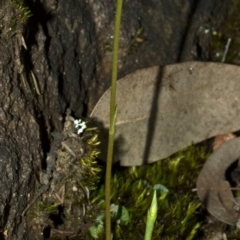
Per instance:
{"type": "Point", "coordinates": [113, 113]}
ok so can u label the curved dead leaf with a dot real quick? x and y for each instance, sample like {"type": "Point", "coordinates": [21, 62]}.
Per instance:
{"type": "Point", "coordinates": [162, 110]}
{"type": "Point", "coordinates": [213, 188]}
{"type": "Point", "coordinates": [220, 139]}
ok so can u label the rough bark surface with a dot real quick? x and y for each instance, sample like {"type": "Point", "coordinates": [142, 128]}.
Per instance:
{"type": "Point", "coordinates": [21, 150]}
{"type": "Point", "coordinates": [67, 63]}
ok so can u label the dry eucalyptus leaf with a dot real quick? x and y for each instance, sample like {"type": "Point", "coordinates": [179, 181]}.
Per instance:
{"type": "Point", "coordinates": [213, 188]}
{"type": "Point", "coordinates": [220, 139]}
{"type": "Point", "coordinates": [164, 109]}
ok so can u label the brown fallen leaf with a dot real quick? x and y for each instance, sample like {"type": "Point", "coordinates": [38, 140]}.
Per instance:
{"type": "Point", "coordinates": [213, 189]}
{"type": "Point", "coordinates": [164, 109]}
{"type": "Point", "coordinates": [220, 139]}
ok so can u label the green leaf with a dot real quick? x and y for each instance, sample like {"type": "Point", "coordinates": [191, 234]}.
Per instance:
{"type": "Point", "coordinates": [161, 188]}
{"type": "Point", "coordinates": [95, 231]}
{"type": "Point", "coordinates": [119, 214]}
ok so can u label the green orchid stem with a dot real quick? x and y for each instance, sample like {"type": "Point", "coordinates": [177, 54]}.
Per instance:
{"type": "Point", "coordinates": [113, 113]}
{"type": "Point", "coordinates": [151, 217]}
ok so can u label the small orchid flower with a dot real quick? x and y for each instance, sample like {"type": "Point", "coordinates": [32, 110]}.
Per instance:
{"type": "Point", "coordinates": [80, 125]}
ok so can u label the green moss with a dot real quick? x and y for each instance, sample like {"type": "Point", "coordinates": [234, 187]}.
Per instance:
{"type": "Point", "coordinates": [136, 41]}
{"type": "Point", "coordinates": [13, 17]}
{"type": "Point", "coordinates": [177, 213]}
{"type": "Point", "coordinates": [22, 11]}
{"type": "Point", "coordinates": [66, 205]}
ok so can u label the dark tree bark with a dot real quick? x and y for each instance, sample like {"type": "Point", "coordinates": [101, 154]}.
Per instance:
{"type": "Point", "coordinates": [67, 63]}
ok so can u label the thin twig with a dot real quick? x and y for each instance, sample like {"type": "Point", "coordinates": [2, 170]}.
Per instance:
{"type": "Point", "coordinates": [43, 189]}
{"type": "Point", "coordinates": [226, 49]}
{"type": "Point", "coordinates": [35, 83]}
{"type": "Point", "coordinates": [68, 149]}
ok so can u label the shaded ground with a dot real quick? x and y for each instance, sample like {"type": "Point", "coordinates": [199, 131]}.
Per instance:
{"type": "Point", "coordinates": [67, 63]}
